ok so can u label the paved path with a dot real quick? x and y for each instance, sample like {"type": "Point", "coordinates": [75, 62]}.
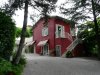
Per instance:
{"type": "Point", "coordinates": [45, 65]}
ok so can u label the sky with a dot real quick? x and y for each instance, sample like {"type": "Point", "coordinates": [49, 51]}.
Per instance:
{"type": "Point", "coordinates": [18, 18]}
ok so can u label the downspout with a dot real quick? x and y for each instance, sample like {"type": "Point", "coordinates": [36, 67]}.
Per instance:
{"type": "Point", "coordinates": [54, 37]}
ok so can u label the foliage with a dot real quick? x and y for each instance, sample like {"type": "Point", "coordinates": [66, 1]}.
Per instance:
{"type": "Point", "coordinates": [69, 54]}
{"type": "Point", "coordinates": [87, 34]}
{"type": "Point", "coordinates": [27, 34]}
{"type": "Point", "coordinates": [7, 36]}
{"type": "Point", "coordinates": [18, 32]}
{"type": "Point", "coordinates": [6, 67]}
{"type": "Point", "coordinates": [15, 4]}
{"type": "Point", "coordinates": [22, 59]}
{"type": "Point", "coordinates": [80, 9]}
{"type": "Point", "coordinates": [18, 69]}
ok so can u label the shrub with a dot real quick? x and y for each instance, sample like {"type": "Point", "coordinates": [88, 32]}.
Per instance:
{"type": "Point", "coordinates": [69, 54]}
{"type": "Point", "coordinates": [7, 68]}
{"type": "Point", "coordinates": [18, 32]}
{"type": "Point", "coordinates": [18, 69]}
{"type": "Point", "coordinates": [27, 34]}
{"type": "Point", "coordinates": [22, 60]}
{"type": "Point", "coordinates": [7, 36]}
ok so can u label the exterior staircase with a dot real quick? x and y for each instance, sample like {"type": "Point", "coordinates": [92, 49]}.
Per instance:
{"type": "Point", "coordinates": [72, 46]}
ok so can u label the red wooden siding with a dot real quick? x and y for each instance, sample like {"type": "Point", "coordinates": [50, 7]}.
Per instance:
{"type": "Point", "coordinates": [64, 42]}
{"type": "Point", "coordinates": [52, 40]}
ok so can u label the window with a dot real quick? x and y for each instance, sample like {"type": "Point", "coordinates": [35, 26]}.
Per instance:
{"type": "Point", "coordinates": [60, 32]}
{"type": "Point", "coordinates": [72, 30]}
{"type": "Point", "coordinates": [45, 31]}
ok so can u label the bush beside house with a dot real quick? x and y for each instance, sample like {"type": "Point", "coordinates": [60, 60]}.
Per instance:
{"type": "Point", "coordinates": [7, 42]}
{"type": "Point", "coordinates": [9, 69]}
{"type": "Point", "coordinates": [7, 36]}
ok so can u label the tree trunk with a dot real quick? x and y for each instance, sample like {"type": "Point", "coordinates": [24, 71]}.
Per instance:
{"type": "Point", "coordinates": [21, 45]}
{"type": "Point", "coordinates": [96, 28]}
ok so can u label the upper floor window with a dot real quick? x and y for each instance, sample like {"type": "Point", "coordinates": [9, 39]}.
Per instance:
{"type": "Point", "coordinates": [45, 31]}
{"type": "Point", "coordinates": [60, 32]}
{"type": "Point", "coordinates": [72, 31]}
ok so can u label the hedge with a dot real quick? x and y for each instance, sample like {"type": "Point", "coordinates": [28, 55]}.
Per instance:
{"type": "Point", "coordinates": [7, 36]}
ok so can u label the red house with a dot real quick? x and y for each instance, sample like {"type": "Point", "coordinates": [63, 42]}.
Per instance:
{"type": "Point", "coordinates": [56, 38]}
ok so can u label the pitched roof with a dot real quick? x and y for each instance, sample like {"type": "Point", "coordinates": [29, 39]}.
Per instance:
{"type": "Point", "coordinates": [72, 23]}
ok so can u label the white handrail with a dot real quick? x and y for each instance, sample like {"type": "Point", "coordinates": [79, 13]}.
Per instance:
{"type": "Point", "coordinates": [71, 46]}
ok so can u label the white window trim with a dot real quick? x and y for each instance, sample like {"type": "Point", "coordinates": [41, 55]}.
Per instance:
{"type": "Point", "coordinates": [62, 35]}
{"type": "Point", "coordinates": [45, 31]}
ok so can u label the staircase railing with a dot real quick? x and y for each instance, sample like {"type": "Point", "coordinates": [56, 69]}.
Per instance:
{"type": "Point", "coordinates": [72, 46]}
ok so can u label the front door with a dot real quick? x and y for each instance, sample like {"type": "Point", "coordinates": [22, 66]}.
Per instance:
{"type": "Point", "coordinates": [58, 50]}
{"type": "Point", "coordinates": [46, 49]}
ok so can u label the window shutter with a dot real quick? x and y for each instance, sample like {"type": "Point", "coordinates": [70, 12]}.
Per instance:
{"type": "Point", "coordinates": [63, 31]}
{"type": "Point", "coordinates": [43, 32]}
{"type": "Point", "coordinates": [72, 31]}
{"type": "Point", "coordinates": [46, 31]}
{"type": "Point", "coordinates": [56, 31]}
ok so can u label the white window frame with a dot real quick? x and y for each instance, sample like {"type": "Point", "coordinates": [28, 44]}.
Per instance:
{"type": "Point", "coordinates": [45, 31]}
{"type": "Point", "coordinates": [62, 34]}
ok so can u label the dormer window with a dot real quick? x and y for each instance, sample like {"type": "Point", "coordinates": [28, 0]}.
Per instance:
{"type": "Point", "coordinates": [45, 31]}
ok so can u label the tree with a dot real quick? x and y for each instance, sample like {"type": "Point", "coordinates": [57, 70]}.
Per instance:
{"type": "Point", "coordinates": [96, 28]}
{"type": "Point", "coordinates": [87, 34]}
{"type": "Point", "coordinates": [18, 32]}
{"type": "Point", "coordinates": [81, 9]}
{"type": "Point", "coordinates": [21, 44]}
{"type": "Point", "coordinates": [46, 6]}
{"type": "Point", "coordinates": [7, 36]}
{"type": "Point", "coordinates": [27, 34]}
{"type": "Point", "coordinates": [19, 4]}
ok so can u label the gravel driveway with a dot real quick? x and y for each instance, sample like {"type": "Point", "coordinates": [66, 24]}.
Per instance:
{"type": "Point", "coordinates": [45, 65]}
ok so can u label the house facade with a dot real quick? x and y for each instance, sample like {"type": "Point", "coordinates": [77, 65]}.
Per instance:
{"type": "Point", "coordinates": [54, 38]}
